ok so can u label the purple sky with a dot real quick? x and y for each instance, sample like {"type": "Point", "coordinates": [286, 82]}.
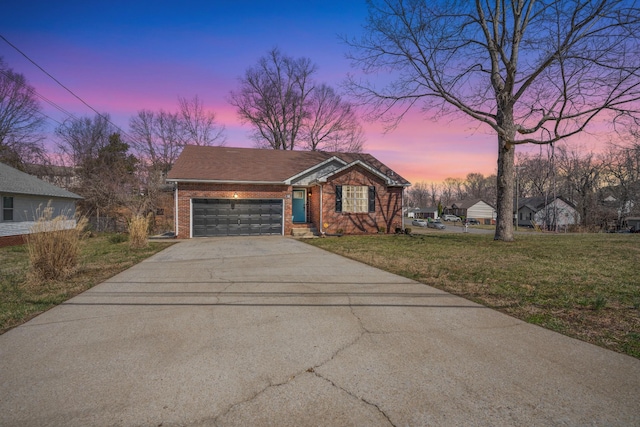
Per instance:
{"type": "Point", "coordinates": [121, 57]}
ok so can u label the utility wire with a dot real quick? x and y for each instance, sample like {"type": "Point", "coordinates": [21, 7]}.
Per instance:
{"type": "Point", "coordinates": [63, 86]}
{"type": "Point", "coordinates": [48, 101]}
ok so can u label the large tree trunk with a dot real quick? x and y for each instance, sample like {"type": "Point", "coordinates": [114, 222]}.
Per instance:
{"type": "Point", "coordinates": [506, 169]}
{"type": "Point", "coordinates": [505, 207]}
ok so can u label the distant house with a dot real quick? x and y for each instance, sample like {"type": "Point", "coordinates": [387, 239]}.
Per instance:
{"type": "Point", "coordinates": [22, 196]}
{"type": "Point", "coordinates": [633, 222]}
{"type": "Point", "coordinates": [424, 213]}
{"type": "Point", "coordinates": [473, 209]}
{"type": "Point", "coordinates": [547, 212]}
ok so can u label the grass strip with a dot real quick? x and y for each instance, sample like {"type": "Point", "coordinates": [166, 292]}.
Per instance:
{"type": "Point", "coordinates": [101, 257]}
{"type": "Point", "coordinates": [582, 285]}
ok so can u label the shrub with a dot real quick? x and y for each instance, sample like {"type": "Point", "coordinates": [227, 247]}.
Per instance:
{"type": "Point", "coordinates": [138, 229]}
{"type": "Point", "coordinates": [54, 245]}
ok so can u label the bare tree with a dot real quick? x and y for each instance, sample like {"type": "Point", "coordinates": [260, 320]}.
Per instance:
{"type": "Point", "coordinates": [289, 110]}
{"type": "Point", "coordinates": [80, 140]}
{"type": "Point", "coordinates": [581, 175]}
{"type": "Point", "coordinates": [105, 170]}
{"type": "Point", "coordinates": [535, 173]}
{"type": "Point", "coordinates": [199, 126]}
{"type": "Point", "coordinates": [419, 195]}
{"type": "Point", "coordinates": [533, 71]}
{"type": "Point", "coordinates": [157, 138]}
{"type": "Point", "coordinates": [452, 190]}
{"type": "Point", "coordinates": [622, 175]}
{"type": "Point", "coordinates": [273, 98]}
{"type": "Point", "coordinates": [477, 186]}
{"type": "Point", "coordinates": [21, 120]}
{"type": "Point", "coordinates": [331, 123]}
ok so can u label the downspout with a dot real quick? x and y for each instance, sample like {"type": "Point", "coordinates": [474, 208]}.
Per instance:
{"type": "Point", "coordinates": [175, 212]}
{"type": "Point", "coordinates": [321, 230]}
{"type": "Point", "coordinates": [402, 210]}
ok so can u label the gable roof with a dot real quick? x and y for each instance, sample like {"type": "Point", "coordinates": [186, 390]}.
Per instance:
{"type": "Point", "coordinates": [16, 182]}
{"type": "Point", "coordinates": [466, 204]}
{"type": "Point", "coordinates": [538, 203]}
{"type": "Point", "coordinates": [254, 165]}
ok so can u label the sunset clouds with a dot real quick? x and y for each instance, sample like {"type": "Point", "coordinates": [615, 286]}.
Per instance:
{"type": "Point", "coordinates": [144, 55]}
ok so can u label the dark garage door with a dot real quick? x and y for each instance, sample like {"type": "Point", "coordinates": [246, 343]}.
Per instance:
{"type": "Point", "coordinates": [225, 217]}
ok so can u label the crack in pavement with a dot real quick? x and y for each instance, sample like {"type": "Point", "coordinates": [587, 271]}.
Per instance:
{"type": "Point", "coordinates": [254, 396]}
{"type": "Point", "coordinates": [363, 331]}
{"type": "Point", "coordinates": [362, 399]}
{"type": "Point", "coordinates": [312, 370]}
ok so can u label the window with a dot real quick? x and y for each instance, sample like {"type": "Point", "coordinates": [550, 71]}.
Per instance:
{"type": "Point", "coordinates": [355, 198]}
{"type": "Point", "coordinates": [7, 208]}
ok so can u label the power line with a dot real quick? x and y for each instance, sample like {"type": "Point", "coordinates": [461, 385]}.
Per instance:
{"type": "Point", "coordinates": [63, 86]}
{"type": "Point", "coordinates": [48, 101]}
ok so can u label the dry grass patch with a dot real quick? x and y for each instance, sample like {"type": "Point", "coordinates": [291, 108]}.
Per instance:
{"type": "Point", "coordinates": [583, 285]}
{"type": "Point", "coordinates": [138, 231]}
{"type": "Point", "coordinates": [99, 259]}
{"type": "Point", "coordinates": [54, 247]}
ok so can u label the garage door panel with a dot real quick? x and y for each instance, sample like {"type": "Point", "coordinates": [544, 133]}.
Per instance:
{"type": "Point", "coordinates": [224, 217]}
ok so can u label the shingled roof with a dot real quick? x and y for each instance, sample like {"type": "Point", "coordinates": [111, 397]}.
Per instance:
{"type": "Point", "coordinates": [13, 181]}
{"type": "Point", "coordinates": [230, 164]}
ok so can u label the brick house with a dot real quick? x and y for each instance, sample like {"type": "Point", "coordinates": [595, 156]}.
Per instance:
{"type": "Point", "coordinates": [222, 191]}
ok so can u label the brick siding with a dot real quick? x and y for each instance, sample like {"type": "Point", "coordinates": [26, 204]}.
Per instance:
{"type": "Point", "coordinates": [388, 212]}
{"type": "Point", "coordinates": [12, 240]}
{"type": "Point", "coordinates": [188, 191]}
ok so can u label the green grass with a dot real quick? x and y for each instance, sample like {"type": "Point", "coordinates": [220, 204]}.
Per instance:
{"type": "Point", "coordinates": [583, 285]}
{"type": "Point", "coordinates": [101, 258]}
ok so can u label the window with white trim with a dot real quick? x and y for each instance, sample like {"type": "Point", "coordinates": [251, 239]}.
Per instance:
{"type": "Point", "coordinates": [355, 198]}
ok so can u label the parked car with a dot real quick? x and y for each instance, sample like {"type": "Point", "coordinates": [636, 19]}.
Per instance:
{"type": "Point", "coordinates": [472, 221]}
{"type": "Point", "coordinates": [448, 217]}
{"type": "Point", "coordinates": [419, 222]}
{"type": "Point", "coordinates": [436, 224]}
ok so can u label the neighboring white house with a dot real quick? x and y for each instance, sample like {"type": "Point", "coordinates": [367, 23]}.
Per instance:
{"type": "Point", "coordinates": [424, 213]}
{"type": "Point", "coordinates": [547, 213]}
{"type": "Point", "coordinates": [22, 197]}
{"type": "Point", "coordinates": [473, 209]}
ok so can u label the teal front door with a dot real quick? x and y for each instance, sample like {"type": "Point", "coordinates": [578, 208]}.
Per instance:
{"type": "Point", "coordinates": [299, 206]}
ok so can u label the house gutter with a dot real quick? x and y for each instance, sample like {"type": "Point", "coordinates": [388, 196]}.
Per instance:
{"type": "Point", "coordinates": [218, 181]}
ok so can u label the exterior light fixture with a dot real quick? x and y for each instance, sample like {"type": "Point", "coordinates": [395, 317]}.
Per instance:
{"type": "Point", "coordinates": [235, 195]}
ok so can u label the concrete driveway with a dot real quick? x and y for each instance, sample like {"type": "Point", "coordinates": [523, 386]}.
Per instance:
{"type": "Point", "coordinates": [271, 331]}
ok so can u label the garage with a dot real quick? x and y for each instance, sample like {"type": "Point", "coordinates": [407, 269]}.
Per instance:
{"type": "Point", "coordinates": [230, 217]}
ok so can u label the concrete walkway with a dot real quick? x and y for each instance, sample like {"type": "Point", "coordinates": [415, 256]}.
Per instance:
{"type": "Point", "coordinates": [271, 331]}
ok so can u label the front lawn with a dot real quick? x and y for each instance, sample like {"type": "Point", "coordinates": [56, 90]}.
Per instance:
{"type": "Point", "coordinates": [582, 285]}
{"type": "Point", "coordinates": [101, 258]}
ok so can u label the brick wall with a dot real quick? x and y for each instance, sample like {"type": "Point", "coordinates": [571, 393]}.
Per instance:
{"type": "Point", "coordinates": [12, 240]}
{"type": "Point", "coordinates": [188, 191]}
{"type": "Point", "coordinates": [388, 212]}
{"type": "Point", "coordinates": [388, 203]}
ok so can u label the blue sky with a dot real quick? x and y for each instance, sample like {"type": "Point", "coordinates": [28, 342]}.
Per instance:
{"type": "Point", "coordinates": [121, 57]}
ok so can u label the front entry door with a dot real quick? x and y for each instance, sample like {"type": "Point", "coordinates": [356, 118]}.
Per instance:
{"type": "Point", "coordinates": [299, 206]}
